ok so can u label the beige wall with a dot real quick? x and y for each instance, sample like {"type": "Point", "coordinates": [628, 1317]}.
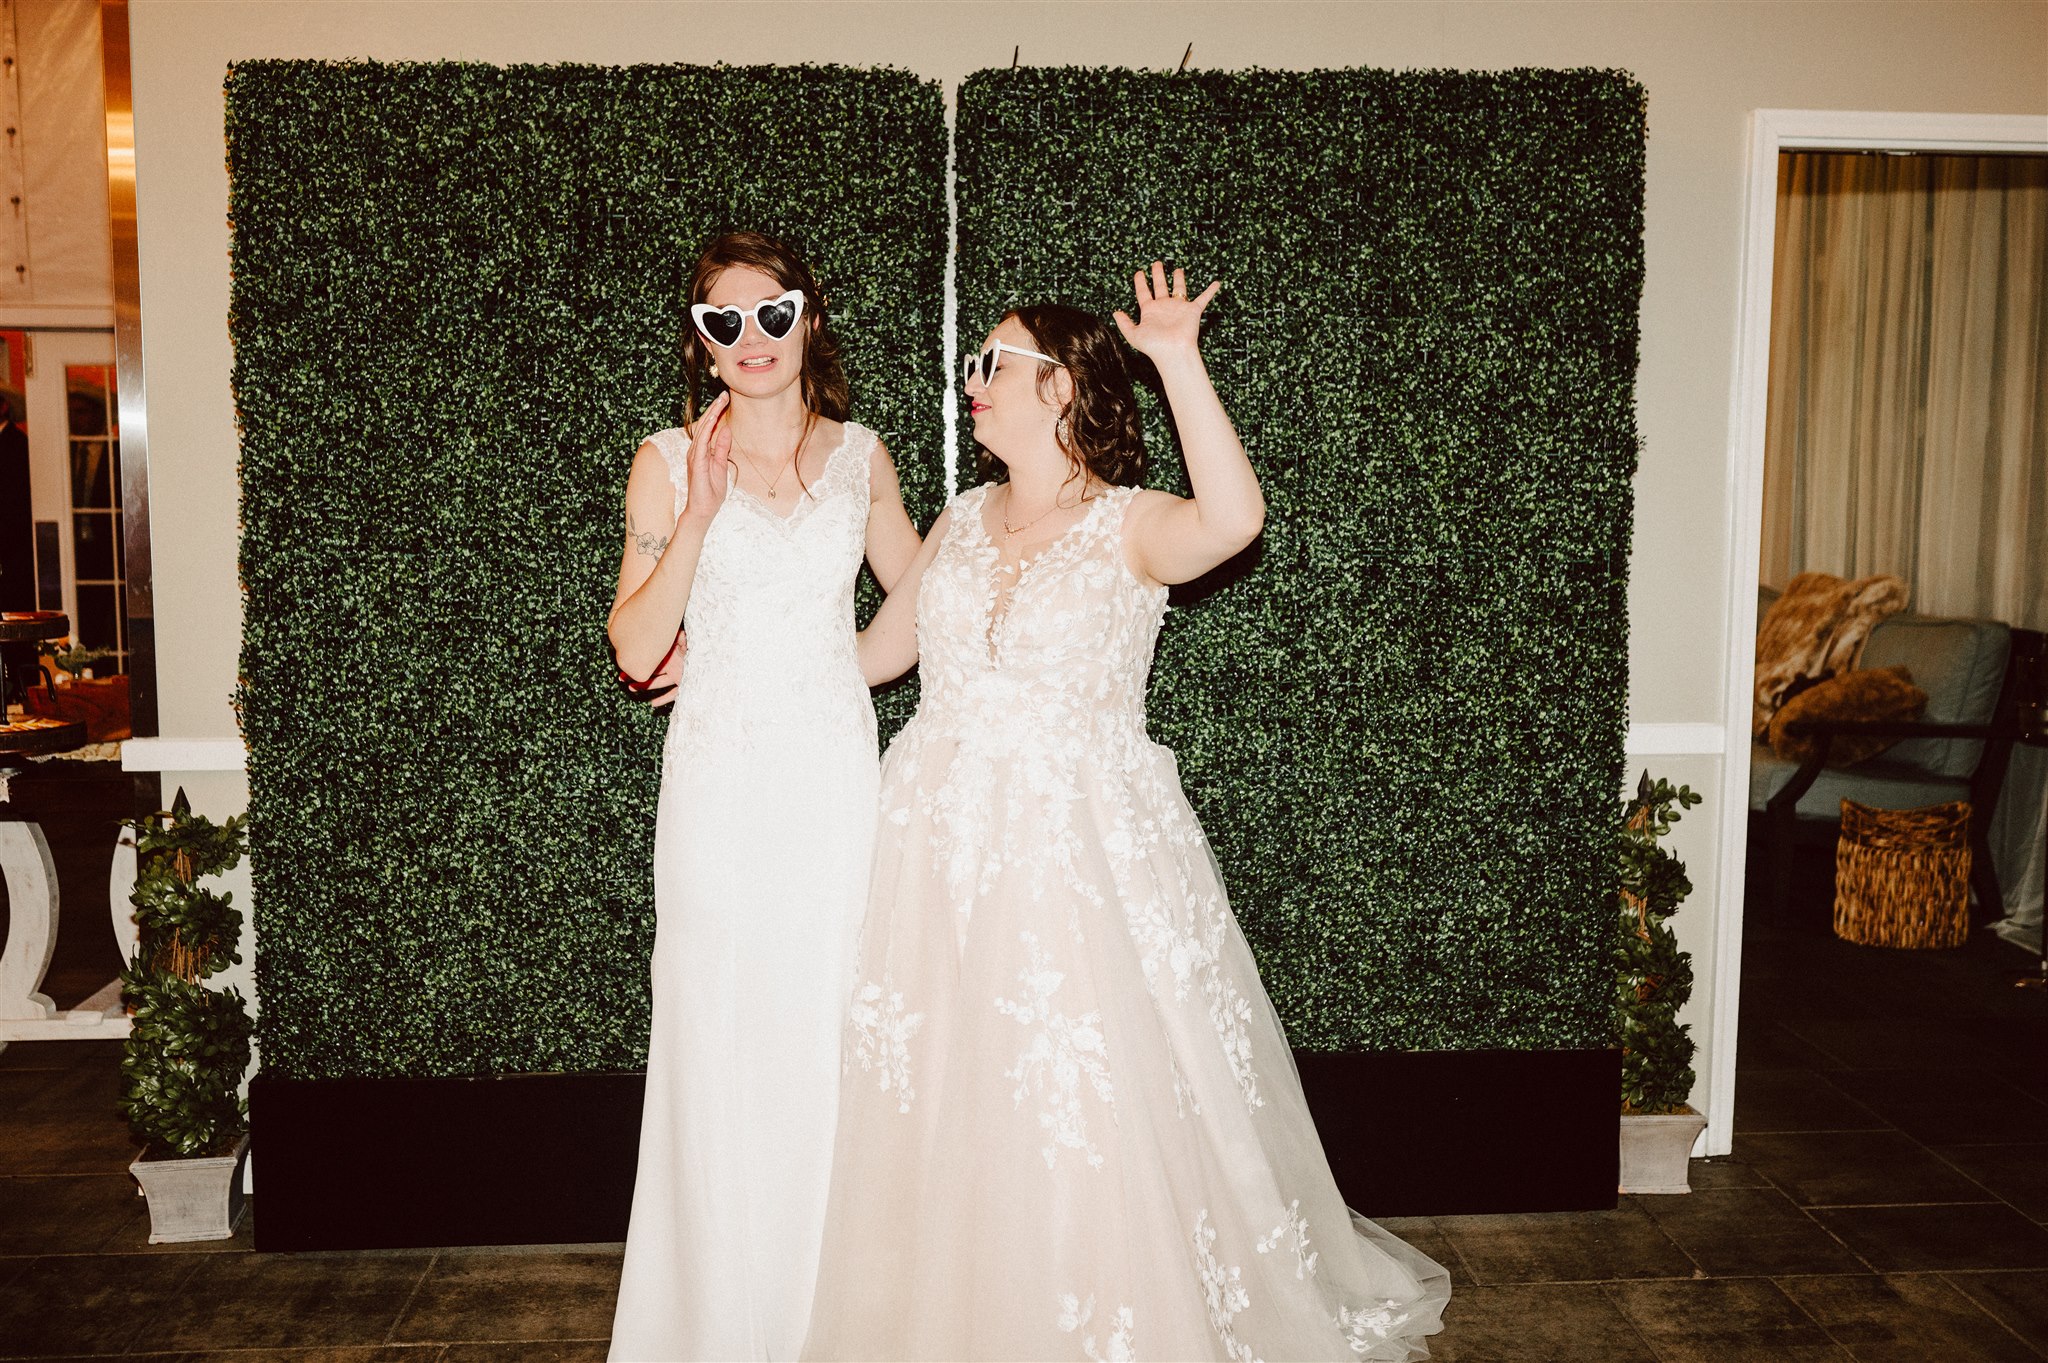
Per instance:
{"type": "Point", "coordinates": [1705, 65]}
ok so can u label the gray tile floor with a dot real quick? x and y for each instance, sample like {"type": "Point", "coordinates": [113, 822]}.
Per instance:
{"type": "Point", "coordinates": [1887, 1201]}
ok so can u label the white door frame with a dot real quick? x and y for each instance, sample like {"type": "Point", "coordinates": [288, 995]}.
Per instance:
{"type": "Point", "coordinates": [1772, 131]}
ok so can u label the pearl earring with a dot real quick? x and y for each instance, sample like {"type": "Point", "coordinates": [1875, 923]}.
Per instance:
{"type": "Point", "coordinates": [714, 371]}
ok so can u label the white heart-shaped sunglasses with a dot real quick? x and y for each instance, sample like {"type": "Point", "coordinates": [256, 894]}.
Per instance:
{"type": "Point", "coordinates": [985, 363]}
{"type": "Point", "coordinates": [776, 317]}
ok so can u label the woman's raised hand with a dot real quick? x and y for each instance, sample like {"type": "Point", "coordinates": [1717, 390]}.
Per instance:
{"type": "Point", "coordinates": [708, 462]}
{"type": "Point", "coordinates": [1169, 321]}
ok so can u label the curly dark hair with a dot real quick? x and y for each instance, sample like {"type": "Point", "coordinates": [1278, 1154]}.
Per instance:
{"type": "Point", "coordinates": [1102, 435]}
{"type": "Point", "coordinates": [824, 382]}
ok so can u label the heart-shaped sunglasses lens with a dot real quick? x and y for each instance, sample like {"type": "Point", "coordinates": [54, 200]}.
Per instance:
{"type": "Point", "coordinates": [776, 318]}
{"type": "Point", "coordinates": [723, 326]}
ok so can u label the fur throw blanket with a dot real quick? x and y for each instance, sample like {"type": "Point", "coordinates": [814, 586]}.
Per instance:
{"type": "Point", "coordinates": [1881, 693]}
{"type": "Point", "coordinates": [1814, 631]}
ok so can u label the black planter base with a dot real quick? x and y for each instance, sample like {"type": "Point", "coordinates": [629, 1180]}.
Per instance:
{"type": "Point", "coordinates": [549, 1158]}
{"type": "Point", "coordinates": [1469, 1131]}
{"type": "Point", "coordinates": [529, 1159]}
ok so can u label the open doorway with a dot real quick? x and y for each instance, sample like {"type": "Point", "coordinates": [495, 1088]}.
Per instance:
{"type": "Point", "coordinates": [1903, 593]}
{"type": "Point", "coordinates": [1813, 1079]}
{"type": "Point", "coordinates": [59, 387]}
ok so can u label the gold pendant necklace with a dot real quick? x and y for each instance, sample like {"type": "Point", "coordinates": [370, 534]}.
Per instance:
{"type": "Point", "coordinates": [773, 487]}
{"type": "Point", "coordinates": [1009, 529]}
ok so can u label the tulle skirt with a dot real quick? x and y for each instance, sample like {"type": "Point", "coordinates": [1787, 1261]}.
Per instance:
{"type": "Point", "coordinates": [1070, 1124]}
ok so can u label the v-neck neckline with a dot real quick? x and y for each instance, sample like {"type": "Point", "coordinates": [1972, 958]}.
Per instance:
{"type": "Point", "coordinates": [807, 499]}
{"type": "Point", "coordinates": [1022, 566]}
{"type": "Point", "coordinates": [995, 625]}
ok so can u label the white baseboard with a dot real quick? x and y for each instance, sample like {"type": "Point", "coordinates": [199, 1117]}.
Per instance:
{"type": "Point", "coordinates": [183, 754]}
{"type": "Point", "coordinates": [1676, 740]}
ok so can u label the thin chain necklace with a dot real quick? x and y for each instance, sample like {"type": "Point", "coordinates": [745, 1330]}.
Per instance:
{"type": "Point", "coordinates": [755, 465]}
{"type": "Point", "coordinates": [1009, 493]}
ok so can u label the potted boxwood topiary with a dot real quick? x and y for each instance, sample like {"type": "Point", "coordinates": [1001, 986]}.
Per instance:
{"type": "Point", "coordinates": [1653, 981]}
{"type": "Point", "coordinates": [189, 1045]}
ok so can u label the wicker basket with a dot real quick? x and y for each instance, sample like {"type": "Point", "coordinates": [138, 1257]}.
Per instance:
{"type": "Point", "coordinates": [1902, 876]}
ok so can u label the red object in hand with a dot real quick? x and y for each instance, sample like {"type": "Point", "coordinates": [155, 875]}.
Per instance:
{"type": "Point", "coordinates": [643, 685]}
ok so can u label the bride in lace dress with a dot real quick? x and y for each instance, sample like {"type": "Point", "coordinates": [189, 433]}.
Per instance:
{"type": "Point", "coordinates": [753, 523]}
{"type": "Point", "coordinates": [1070, 1125]}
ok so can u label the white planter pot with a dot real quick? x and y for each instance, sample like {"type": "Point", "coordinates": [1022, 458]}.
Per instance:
{"type": "Point", "coordinates": [193, 1199]}
{"type": "Point", "coordinates": [1655, 1151]}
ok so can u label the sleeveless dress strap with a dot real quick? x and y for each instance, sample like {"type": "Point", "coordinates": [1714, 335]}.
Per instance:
{"type": "Point", "coordinates": [674, 444]}
{"type": "Point", "coordinates": [965, 505]}
{"type": "Point", "coordinates": [1112, 541]}
{"type": "Point", "coordinates": [1119, 510]}
{"type": "Point", "coordinates": [860, 452]}
{"type": "Point", "coordinates": [1107, 529]}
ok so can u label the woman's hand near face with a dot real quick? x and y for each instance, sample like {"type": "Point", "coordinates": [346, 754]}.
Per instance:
{"type": "Point", "coordinates": [709, 462]}
{"type": "Point", "coordinates": [657, 569]}
{"type": "Point", "coordinates": [1176, 539]}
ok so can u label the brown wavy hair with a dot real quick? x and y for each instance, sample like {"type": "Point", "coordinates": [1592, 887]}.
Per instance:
{"type": "Point", "coordinates": [1103, 435]}
{"type": "Point", "coordinates": [825, 392]}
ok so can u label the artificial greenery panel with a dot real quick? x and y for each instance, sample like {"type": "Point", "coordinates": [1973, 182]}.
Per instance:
{"type": "Point", "coordinates": [1401, 716]}
{"type": "Point", "coordinates": [458, 300]}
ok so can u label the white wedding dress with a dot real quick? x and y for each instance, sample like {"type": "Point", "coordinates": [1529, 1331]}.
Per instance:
{"type": "Point", "coordinates": [762, 848]}
{"type": "Point", "coordinates": [1070, 1125]}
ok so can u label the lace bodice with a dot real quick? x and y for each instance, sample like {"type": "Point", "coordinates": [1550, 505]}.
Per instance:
{"type": "Point", "coordinates": [770, 620]}
{"type": "Point", "coordinates": [1056, 652]}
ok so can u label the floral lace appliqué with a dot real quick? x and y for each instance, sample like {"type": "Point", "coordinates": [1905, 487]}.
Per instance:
{"type": "Point", "coordinates": [1231, 1013]}
{"type": "Point", "coordinates": [1294, 1227]}
{"type": "Point", "coordinates": [1062, 1053]}
{"type": "Point", "coordinates": [1178, 922]}
{"type": "Point", "coordinates": [880, 1028]}
{"type": "Point", "coordinates": [1117, 1348]}
{"type": "Point", "coordinates": [1370, 1326]}
{"type": "Point", "coordinates": [1225, 1289]}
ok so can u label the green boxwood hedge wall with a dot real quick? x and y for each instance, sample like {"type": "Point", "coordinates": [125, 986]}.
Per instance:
{"type": "Point", "coordinates": [1403, 725]}
{"type": "Point", "coordinates": [458, 297]}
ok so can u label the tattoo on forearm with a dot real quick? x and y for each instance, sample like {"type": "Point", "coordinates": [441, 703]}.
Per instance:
{"type": "Point", "coordinates": [646, 542]}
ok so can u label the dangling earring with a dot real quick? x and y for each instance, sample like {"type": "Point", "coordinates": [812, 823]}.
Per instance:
{"type": "Point", "coordinates": [714, 371]}
{"type": "Point", "coordinates": [1059, 429]}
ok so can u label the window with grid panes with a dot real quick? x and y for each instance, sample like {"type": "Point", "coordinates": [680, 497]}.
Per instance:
{"type": "Point", "coordinates": [96, 512]}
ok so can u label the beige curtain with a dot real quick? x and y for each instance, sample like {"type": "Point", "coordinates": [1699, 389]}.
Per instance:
{"type": "Point", "coordinates": [1909, 358]}
{"type": "Point", "coordinates": [1908, 422]}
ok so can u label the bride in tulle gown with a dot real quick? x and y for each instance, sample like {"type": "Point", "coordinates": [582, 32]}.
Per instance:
{"type": "Point", "coordinates": [1070, 1125]}
{"type": "Point", "coordinates": [754, 521]}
